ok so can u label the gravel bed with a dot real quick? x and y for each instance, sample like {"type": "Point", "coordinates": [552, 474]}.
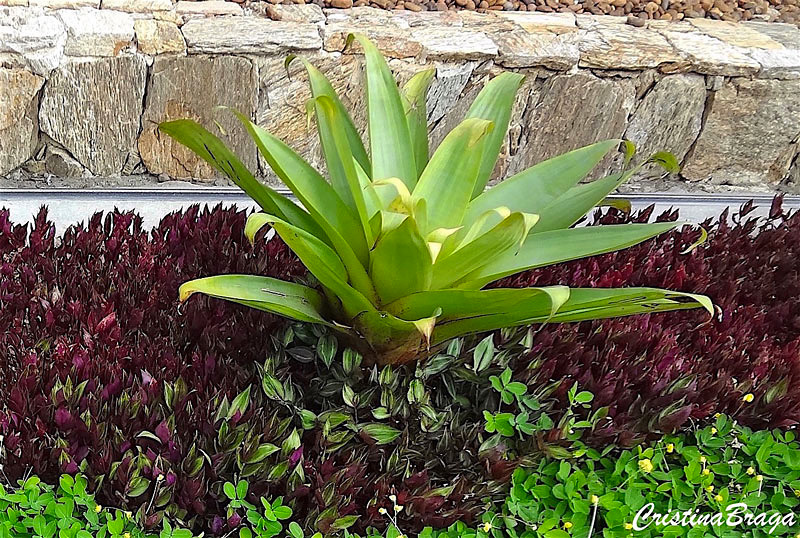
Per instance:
{"type": "Point", "coordinates": [787, 11]}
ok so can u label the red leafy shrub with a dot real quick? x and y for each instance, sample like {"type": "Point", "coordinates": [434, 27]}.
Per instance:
{"type": "Point", "coordinates": [104, 373]}
{"type": "Point", "coordinates": [655, 373]}
{"type": "Point", "coordinates": [101, 372]}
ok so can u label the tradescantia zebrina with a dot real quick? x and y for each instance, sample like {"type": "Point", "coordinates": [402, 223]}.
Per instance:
{"type": "Point", "coordinates": [402, 242]}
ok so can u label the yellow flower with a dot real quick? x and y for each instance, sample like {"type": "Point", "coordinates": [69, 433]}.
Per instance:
{"type": "Point", "coordinates": [628, 526]}
{"type": "Point", "coordinates": [713, 430]}
{"type": "Point", "coordinates": [382, 510]}
{"type": "Point", "coordinates": [703, 459]}
{"type": "Point", "coordinates": [710, 489]}
{"type": "Point", "coordinates": [717, 415]}
{"type": "Point", "coordinates": [797, 492]}
{"type": "Point", "coordinates": [594, 499]}
{"type": "Point", "coordinates": [718, 498]}
{"type": "Point", "coordinates": [706, 472]}
{"type": "Point", "coordinates": [567, 525]}
{"type": "Point", "coordinates": [670, 448]}
{"type": "Point", "coordinates": [487, 527]}
{"type": "Point", "coordinates": [646, 466]}
{"type": "Point", "coordinates": [751, 471]}
{"type": "Point", "coordinates": [98, 508]}
{"type": "Point", "coordinates": [126, 535]}
{"type": "Point", "coordinates": [159, 478]}
{"type": "Point", "coordinates": [129, 515]}
{"type": "Point", "coordinates": [759, 478]}
{"type": "Point", "coordinates": [393, 498]}
{"type": "Point", "coordinates": [398, 508]}
{"type": "Point", "coordinates": [748, 397]}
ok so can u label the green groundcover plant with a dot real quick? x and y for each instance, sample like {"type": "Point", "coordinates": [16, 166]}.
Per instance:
{"type": "Point", "coordinates": [723, 481]}
{"type": "Point", "coordinates": [402, 243]}
{"type": "Point", "coordinates": [749, 481]}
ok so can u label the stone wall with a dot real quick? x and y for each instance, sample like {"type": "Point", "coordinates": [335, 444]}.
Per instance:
{"type": "Point", "coordinates": [84, 85]}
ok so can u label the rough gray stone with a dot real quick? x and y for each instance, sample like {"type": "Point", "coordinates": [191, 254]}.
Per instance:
{"type": "Point", "coordinates": [621, 46]}
{"type": "Point", "coordinates": [64, 4]}
{"type": "Point", "coordinates": [19, 129]}
{"type": "Point", "coordinates": [249, 35]}
{"type": "Point", "coordinates": [448, 43]}
{"type": "Point", "coordinates": [30, 37]}
{"type": "Point", "coordinates": [96, 32]}
{"type": "Point", "coordinates": [137, 6]}
{"type": "Point", "coordinates": [208, 7]}
{"type": "Point", "coordinates": [521, 48]}
{"type": "Point", "coordinates": [158, 37]}
{"type": "Point", "coordinates": [192, 87]}
{"type": "Point", "coordinates": [708, 55]}
{"type": "Point", "coordinates": [669, 117]}
{"type": "Point", "coordinates": [93, 108]}
{"type": "Point", "coordinates": [748, 133]}
{"type": "Point", "coordinates": [571, 111]}
{"type": "Point", "coordinates": [60, 163]}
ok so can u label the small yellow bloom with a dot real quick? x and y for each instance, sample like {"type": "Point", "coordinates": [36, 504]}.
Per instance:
{"type": "Point", "coordinates": [646, 466]}
{"type": "Point", "coordinates": [487, 527]}
{"type": "Point", "coordinates": [98, 508]}
{"type": "Point", "coordinates": [706, 472]}
{"type": "Point", "coordinates": [797, 492]}
{"type": "Point", "coordinates": [710, 489]}
{"type": "Point", "coordinates": [567, 525]}
{"type": "Point", "coordinates": [159, 478]}
{"type": "Point", "coordinates": [713, 430]}
{"type": "Point", "coordinates": [628, 526]}
{"type": "Point", "coordinates": [759, 478]}
{"type": "Point", "coordinates": [748, 397]}
{"type": "Point", "coordinates": [751, 471]}
{"type": "Point", "coordinates": [129, 515]}
{"type": "Point", "coordinates": [670, 448]}
{"type": "Point", "coordinates": [703, 459]}
{"type": "Point", "coordinates": [718, 498]}
{"type": "Point", "coordinates": [717, 415]}
{"type": "Point", "coordinates": [126, 535]}
{"type": "Point", "coordinates": [398, 508]}
{"type": "Point", "coordinates": [594, 499]}
{"type": "Point", "coordinates": [393, 498]}
{"type": "Point", "coordinates": [382, 510]}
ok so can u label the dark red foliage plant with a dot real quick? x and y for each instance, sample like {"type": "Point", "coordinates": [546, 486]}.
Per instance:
{"type": "Point", "coordinates": [657, 373]}
{"type": "Point", "coordinates": [104, 373]}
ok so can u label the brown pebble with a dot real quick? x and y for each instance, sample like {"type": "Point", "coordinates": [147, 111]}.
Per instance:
{"type": "Point", "coordinates": [342, 4]}
{"type": "Point", "coordinates": [635, 21]}
{"type": "Point", "coordinates": [272, 13]}
{"type": "Point", "coordinates": [411, 6]}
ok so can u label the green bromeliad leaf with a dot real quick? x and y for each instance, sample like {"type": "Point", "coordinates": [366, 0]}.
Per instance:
{"type": "Point", "coordinates": [413, 94]}
{"type": "Point", "coordinates": [494, 103]}
{"type": "Point", "coordinates": [446, 183]}
{"type": "Point", "coordinates": [403, 247]}
{"type": "Point", "coordinates": [389, 137]}
{"type": "Point", "coordinates": [558, 246]}
{"type": "Point", "coordinates": [321, 86]}
{"type": "Point", "coordinates": [583, 304]}
{"type": "Point", "coordinates": [212, 150]}
{"type": "Point", "coordinates": [269, 294]}
{"type": "Point", "coordinates": [342, 228]}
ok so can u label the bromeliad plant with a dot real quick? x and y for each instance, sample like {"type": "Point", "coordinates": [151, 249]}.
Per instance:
{"type": "Point", "coordinates": [402, 244]}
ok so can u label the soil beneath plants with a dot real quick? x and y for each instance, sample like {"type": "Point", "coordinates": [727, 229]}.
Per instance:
{"type": "Point", "coordinates": [637, 11]}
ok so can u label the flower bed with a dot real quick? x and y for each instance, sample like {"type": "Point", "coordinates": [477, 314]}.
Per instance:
{"type": "Point", "coordinates": [159, 406]}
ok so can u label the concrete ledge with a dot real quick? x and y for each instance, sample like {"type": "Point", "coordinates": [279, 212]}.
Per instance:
{"type": "Point", "coordinates": [84, 85]}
